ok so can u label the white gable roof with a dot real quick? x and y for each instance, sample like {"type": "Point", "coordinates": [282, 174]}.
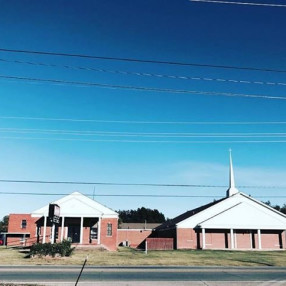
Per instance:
{"type": "Point", "coordinates": [238, 212]}
{"type": "Point", "coordinates": [78, 205]}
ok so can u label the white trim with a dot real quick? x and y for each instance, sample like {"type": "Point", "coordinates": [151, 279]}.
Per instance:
{"type": "Point", "coordinates": [62, 228]}
{"type": "Point", "coordinates": [259, 238]}
{"type": "Point", "coordinates": [53, 234]}
{"type": "Point", "coordinates": [203, 238]}
{"type": "Point", "coordinates": [45, 229]}
{"type": "Point", "coordinates": [76, 205]}
{"type": "Point", "coordinates": [231, 239]}
{"type": "Point", "coordinates": [98, 230]}
{"type": "Point", "coordinates": [81, 230]}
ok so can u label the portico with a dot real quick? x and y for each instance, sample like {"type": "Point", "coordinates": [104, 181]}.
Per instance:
{"type": "Point", "coordinates": [83, 221]}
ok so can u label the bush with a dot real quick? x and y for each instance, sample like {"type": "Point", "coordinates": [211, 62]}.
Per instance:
{"type": "Point", "coordinates": [43, 249]}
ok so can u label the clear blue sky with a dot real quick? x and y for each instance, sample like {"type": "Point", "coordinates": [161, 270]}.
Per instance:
{"type": "Point", "coordinates": [179, 31]}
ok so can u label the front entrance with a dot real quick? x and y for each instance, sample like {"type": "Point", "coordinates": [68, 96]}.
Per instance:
{"type": "Point", "coordinates": [74, 233]}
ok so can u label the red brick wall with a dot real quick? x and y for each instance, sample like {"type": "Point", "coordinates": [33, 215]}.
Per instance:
{"type": "Point", "coordinates": [243, 239]}
{"type": "Point", "coordinates": [186, 238]}
{"type": "Point", "coordinates": [110, 242]}
{"type": "Point", "coordinates": [134, 236]}
{"type": "Point", "coordinates": [216, 239]}
{"type": "Point", "coordinates": [160, 243]}
{"type": "Point", "coordinates": [272, 239]}
{"type": "Point", "coordinates": [14, 225]}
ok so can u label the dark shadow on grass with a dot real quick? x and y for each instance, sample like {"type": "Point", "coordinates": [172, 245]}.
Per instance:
{"type": "Point", "coordinates": [254, 262]}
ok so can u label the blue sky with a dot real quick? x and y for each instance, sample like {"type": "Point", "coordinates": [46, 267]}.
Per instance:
{"type": "Point", "coordinates": [179, 31]}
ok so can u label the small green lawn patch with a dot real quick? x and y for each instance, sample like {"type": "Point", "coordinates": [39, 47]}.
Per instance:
{"type": "Point", "coordinates": [128, 256]}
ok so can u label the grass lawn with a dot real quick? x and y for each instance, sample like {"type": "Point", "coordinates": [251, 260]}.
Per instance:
{"type": "Point", "coordinates": [127, 256]}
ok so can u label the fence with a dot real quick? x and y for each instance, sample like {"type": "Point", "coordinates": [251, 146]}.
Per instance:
{"type": "Point", "coordinates": [160, 243]}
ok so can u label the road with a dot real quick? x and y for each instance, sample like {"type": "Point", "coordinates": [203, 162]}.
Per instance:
{"type": "Point", "coordinates": [93, 275]}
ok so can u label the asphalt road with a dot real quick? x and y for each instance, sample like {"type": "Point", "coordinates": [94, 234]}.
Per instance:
{"type": "Point", "coordinates": [92, 275]}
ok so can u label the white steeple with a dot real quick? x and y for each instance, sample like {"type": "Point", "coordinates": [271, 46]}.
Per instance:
{"type": "Point", "coordinates": [232, 189]}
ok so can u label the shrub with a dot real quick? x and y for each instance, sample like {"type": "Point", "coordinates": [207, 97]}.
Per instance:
{"type": "Point", "coordinates": [43, 249]}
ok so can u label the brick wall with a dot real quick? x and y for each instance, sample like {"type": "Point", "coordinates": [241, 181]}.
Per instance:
{"type": "Point", "coordinates": [15, 225]}
{"type": "Point", "coordinates": [134, 236]}
{"type": "Point", "coordinates": [110, 242]}
{"type": "Point", "coordinates": [272, 239]}
{"type": "Point", "coordinates": [243, 239]}
{"type": "Point", "coordinates": [160, 243]}
{"type": "Point", "coordinates": [217, 239]}
{"type": "Point", "coordinates": [186, 238]}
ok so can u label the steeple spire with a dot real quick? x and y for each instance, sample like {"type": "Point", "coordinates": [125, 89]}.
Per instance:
{"type": "Point", "coordinates": [232, 189]}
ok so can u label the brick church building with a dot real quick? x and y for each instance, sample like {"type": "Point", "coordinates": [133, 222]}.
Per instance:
{"type": "Point", "coordinates": [236, 221]}
{"type": "Point", "coordinates": [82, 220]}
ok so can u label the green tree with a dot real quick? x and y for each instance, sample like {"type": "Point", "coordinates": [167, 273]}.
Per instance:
{"type": "Point", "coordinates": [4, 224]}
{"type": "Point", "coordinates": [277, 207]}
{"type": "Point", "coordinates": [140, 215]}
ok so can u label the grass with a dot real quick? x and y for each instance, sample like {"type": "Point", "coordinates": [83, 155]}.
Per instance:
{"type": "Point", "coordinates": [127, 256]}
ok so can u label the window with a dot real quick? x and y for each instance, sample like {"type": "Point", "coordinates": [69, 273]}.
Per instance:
{"type": "Point", "coordinates": [24, 223]}
{"type": "Point", "coordinates": [109, 229]}
{"type": "Point", "coordinates": [93, 233]}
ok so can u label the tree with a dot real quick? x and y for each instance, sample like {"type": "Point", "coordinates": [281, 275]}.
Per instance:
{"type": "Point", "coordinates": [277, 207]}
{"type": "Point", "coordinates": [4, 224]}
{"type": "Point", "coordinates": [140, 215]}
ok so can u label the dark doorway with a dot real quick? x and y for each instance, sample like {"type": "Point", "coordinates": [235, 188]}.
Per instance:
{"type": "Point", "coordinates": [74, 233]}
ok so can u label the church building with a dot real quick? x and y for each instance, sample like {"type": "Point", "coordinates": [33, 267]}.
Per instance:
{"type": "Point", "coordinates": [82, 220]}
{"type": "Point", "coordinates": [236, 221]}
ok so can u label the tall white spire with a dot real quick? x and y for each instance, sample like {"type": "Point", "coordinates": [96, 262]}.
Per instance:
{"type": "Point", "coordinates": [232, 189]}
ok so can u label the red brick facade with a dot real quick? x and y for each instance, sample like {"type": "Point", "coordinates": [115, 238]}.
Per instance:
{"type": "Point", "coordinates": [107, 240]}
{"type": "Point", "coordinates": [220, 239]}
{"type": "Point", "coordinates": [22, 230]}
{"type": "Point", "coordinates": [135, 237]}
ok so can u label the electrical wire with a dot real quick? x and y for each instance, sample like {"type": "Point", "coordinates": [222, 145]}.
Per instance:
{"type": "Point", "coordinates": [142, 134]}
{"type": "Point", "coordinates": [241, 3]}
{"type": "Point", "coordinates": [147, 122]}
{"type": "Point", "coordinates": [146, 141]}
{"type": "Point", "coordinates": [137, 60]}
{"type": "Point", "coordinates": [142, 88]}
{"type": "Point", "coordinates": [144, 74]}
{"type": "Point", "coordinates": [135, 184]}
{"type": "Point", "coordinates": [129, 195]}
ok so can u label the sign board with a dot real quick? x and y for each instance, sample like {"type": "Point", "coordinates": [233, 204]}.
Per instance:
{"type": "Point", "coordinates": [54, 213]}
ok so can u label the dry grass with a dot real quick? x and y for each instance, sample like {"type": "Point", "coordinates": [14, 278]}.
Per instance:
{"type": "Point", "coordinates": [126, 256]}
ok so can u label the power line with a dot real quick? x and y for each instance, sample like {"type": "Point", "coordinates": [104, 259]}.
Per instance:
{"type": "Point", "coordinates": [148, 122]}
{"type": "Point", "coordinates": [130, 195]}
{"type": "Point", "coordinates": [142, 88]}
{"type": "Point", "coordinates": [106, 195]}
{"type": "Point", "coordinates": [110, 184]}
{"type": "Point", "coordinates": [135, 184]}
{"type": "Point", "coordinates": [142, 134]}
{"type": "Point", "coordinates": [147, 141]}
{"type": "Point", "coordinates": [241, 3]}
{"type": "Point", "coordinates": [144, 74]}
{"type": "Point", "coordinates": [137, 60]}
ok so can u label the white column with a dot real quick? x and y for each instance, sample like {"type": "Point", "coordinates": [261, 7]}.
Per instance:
{"type": "Point", "coordinates": [53, 233]}
{"type": "Point", "coordinates": [231, 239]}
{"type": "Point", "coordinates": [259, 238]}
{"type": "Point", "coordinates": [204, 238]}
{"type": "Point", "coordinates": [81, 230]}
{"type": "Point", "coordinates": [98, 230]}
{"type": "Point", "coordinates": [62, 228]}
{"type": "Point", "coordinates": [45, 229]}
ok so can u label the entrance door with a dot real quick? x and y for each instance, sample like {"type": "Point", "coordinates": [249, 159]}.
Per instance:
{"type": "Point", "coordinates": [74, 233]}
